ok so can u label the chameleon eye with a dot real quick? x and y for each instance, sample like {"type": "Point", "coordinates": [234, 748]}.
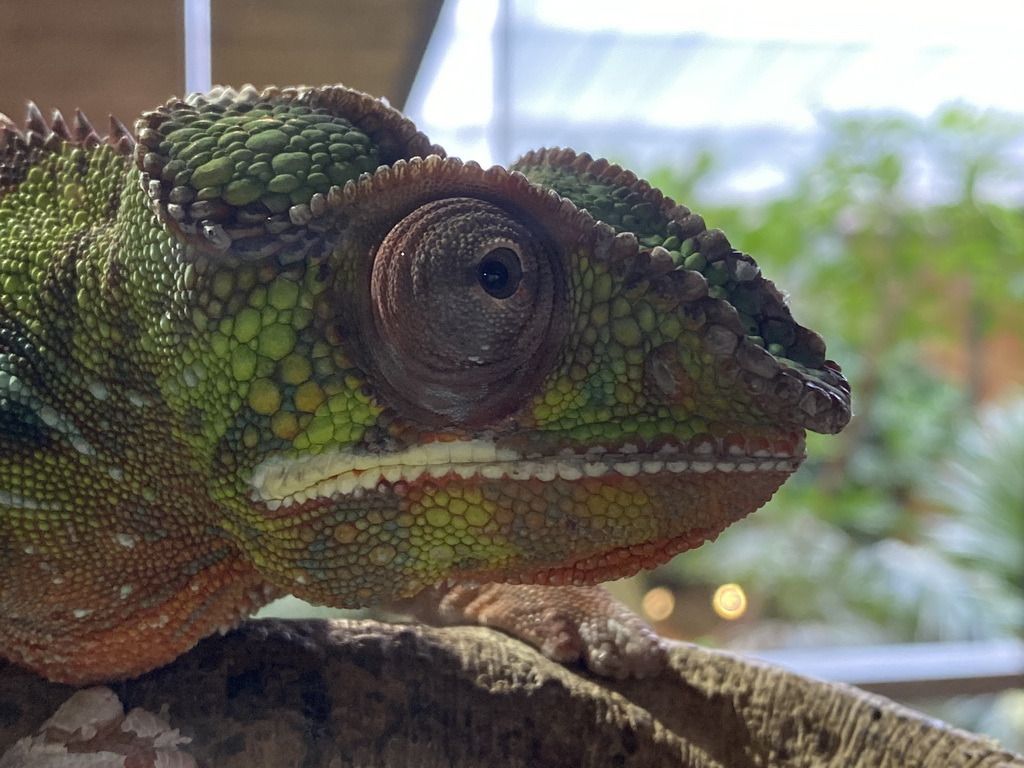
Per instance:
{"type": "Point", "coordinates": [500, 273]}
{"type": "Point", "coordinates": [464, 297]}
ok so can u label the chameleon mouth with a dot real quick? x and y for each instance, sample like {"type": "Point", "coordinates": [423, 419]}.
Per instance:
{"type": "Point", "coordinates": [282, 482]}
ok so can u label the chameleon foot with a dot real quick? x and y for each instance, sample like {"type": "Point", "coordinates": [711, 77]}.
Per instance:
{"type": "Point", "coordinates": [567, 623]}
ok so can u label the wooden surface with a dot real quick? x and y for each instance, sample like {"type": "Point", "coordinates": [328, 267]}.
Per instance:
{"type": "Point", "coordinates": [317, 693]}
{"type": "Point", "coordinates": [112, 56]}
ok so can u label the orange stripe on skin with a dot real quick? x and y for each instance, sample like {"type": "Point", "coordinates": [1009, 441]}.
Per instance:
{"type": "Point", "coordinates": [610, 564]}
{"type": "Point", "coordinates": [393, 542]}
{"type": "Point", "coordinates": [217, 598]}
{"type": "Point", "coordinates": [614, 564]}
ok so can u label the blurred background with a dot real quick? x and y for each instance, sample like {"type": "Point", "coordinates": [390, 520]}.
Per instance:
{"type": "Point", "coordinates": [871, 159]}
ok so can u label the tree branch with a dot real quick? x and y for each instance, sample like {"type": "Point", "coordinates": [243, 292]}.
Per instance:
{"type": "Point", "coordinates": [339, 693]}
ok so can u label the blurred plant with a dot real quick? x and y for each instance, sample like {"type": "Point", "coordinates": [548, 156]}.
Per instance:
{"type": "Point", "coordinates": [999, 715]}
{"type": "Point", "coordinates": [898, 245]}
{"type": "Point", "coordinates": [981, 495]}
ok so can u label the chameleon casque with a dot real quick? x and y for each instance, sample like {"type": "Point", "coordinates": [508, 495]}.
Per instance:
{"type": "Point", "coordinates": [277, 342]}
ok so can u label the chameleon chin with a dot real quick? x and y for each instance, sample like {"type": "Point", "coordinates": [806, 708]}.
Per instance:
{"type": "Point", "coordinates": [278, 342]}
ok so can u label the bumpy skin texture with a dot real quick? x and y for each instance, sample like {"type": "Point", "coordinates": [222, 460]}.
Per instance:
{"type": "Point", "coordinates": [279, 343]}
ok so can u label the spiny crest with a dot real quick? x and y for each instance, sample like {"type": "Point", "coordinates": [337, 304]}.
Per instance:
{"type": "Point", "coordinates": [22, 147]}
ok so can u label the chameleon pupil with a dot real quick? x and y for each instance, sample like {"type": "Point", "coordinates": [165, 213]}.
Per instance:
{"type": "Point", "coordinates": [499, 273]}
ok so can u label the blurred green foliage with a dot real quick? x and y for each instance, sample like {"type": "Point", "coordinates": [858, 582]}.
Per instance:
{"type": "Point", "coordinates": [903, 245]}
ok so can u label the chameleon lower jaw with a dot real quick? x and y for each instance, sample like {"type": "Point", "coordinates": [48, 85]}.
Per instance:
{"type": "Point", "coordinates": [693, 528]}
{"type": "Point", "coordinates": [475, 512]}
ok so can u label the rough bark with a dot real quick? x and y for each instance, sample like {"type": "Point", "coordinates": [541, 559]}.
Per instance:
{"type": "Point", "coordinates": [343, 693]}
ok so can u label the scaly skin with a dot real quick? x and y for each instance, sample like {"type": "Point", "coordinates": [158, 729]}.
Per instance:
{"type": "Point", "coordinates": [281, 344]}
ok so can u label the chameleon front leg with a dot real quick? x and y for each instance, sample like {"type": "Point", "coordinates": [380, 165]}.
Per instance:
{"type": "Point", "coordinates": [568, 624]}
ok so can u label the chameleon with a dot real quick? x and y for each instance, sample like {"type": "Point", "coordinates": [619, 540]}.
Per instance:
{"type": "Point", "coordinates": [276, 342]}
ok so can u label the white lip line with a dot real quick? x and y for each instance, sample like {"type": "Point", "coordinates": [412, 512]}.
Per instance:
{"type": "Point", "coordinates": [284, 482]}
